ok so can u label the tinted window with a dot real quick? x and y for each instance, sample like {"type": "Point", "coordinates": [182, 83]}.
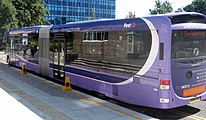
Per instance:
{"type": "Point", "coordinates": [124, 51]}
{"type": "Point", "coordinates": [187, 19]}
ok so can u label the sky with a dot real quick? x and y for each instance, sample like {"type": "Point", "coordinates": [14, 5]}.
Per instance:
{"type": "Point", "coordinates": [141, 7]}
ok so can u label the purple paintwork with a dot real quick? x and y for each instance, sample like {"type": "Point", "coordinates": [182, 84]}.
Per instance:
{"type": "Point", "coordinates": [142, 90]}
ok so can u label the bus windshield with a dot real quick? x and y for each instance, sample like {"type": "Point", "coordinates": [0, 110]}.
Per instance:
{"type": "Point", "coordinates": [188, 43]}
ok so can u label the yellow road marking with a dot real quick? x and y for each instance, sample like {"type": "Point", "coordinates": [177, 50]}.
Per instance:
{"type": "Point", "coordinates": [95, 102]}
{"type": "Point", "coordinates": [92, 101]}
{"type": "Point", "coordinates": [98, 103]}
{"type": "Point", "coordinates": [188, 115]}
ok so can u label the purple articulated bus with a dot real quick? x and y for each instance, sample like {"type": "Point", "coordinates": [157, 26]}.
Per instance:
{"type": "Point", "coordinates": [155, 61]}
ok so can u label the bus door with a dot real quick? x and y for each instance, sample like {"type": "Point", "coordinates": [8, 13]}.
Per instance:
{"type": "Point", "coordinates": [69, 52]}
{"type": "Point", "coordinates": [59, 56]}
{"type": "Point", "coordinates": [15, 43]}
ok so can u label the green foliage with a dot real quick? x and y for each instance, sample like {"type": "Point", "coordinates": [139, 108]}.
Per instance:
{"type": "Point", "coordinates": [93, 13]}
{"type": "Point", "coordinates": [21, 13]}
{"type": "Point", "coordinates": [131, 15]}
{"type": "Point", "coordinates": [93, 16]}
{"type": "Point", "coordinates": [7, 16]}
{"type": "Point", "coordinates": [161, 8]}
{"type": "Point", "coordinates": [196, 6]}
{"type": "Point", "coordinates": [30, 12]}
{"type": "Point", "coordinates": [179, 10]}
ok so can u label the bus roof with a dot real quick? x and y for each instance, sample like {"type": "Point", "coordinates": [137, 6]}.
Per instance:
{"type": "Point", "coordinates": [104, 24]}
{"type": "Point", "coordinates": [185, 17]}
{"type": "Point", "coordinates": [100, 25]}
{"type": "Point", "coordinates": [88, 21]}
{"type": "Point", "coordinates": [33, 29]}
{"type": "Point", "coordinates": [112, 24]}
{"type": "Point", "coordinates": [179, 13]}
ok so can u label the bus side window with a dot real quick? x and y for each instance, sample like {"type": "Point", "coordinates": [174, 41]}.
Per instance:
{"type": "Point", "coordinates": [161, 57]}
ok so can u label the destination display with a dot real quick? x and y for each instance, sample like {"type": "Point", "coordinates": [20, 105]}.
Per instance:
{"type": "Point", "coordinates": [194, 34]}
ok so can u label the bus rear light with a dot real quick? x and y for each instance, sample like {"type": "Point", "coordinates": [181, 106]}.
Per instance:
{"type": "Point", "coordinates": [164, 100]}
{"type": "Point", "coordinates": [164, 84]}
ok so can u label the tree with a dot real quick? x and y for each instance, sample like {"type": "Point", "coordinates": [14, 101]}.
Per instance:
{"type": "Point", "coordinates": [93, 16]}
{"type": "Point", "coordinates": [161, 8]}
{"type": "Point", "coordinates": [131, 15]}
{"type": "Point", "coordinates": [179, 10]}
{"type": "Point", "coordinates": [7, 16]}
{"type": "Point", "coordinates": [196, 6]}
{"type": "Point", "coordinates": [30, 12]}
